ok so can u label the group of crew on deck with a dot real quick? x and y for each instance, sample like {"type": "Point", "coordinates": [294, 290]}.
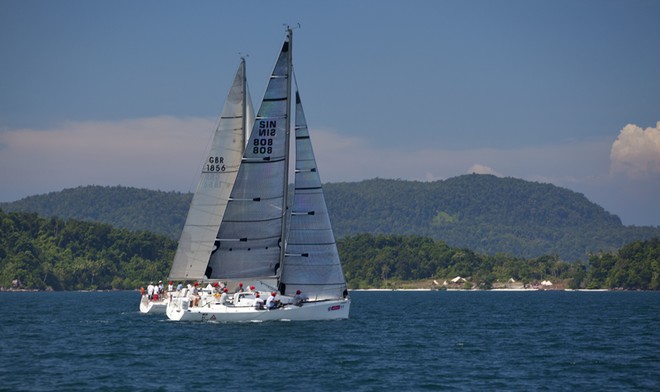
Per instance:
{"type": "Point", "coordinates": [155, 292]}
{"type": "Point", "coordinates": [242, 296]}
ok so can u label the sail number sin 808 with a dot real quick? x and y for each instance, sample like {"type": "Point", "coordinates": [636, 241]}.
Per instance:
{"type": "Point", "coordinates": [264, 143]}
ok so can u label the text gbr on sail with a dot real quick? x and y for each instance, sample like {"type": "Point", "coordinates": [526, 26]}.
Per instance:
{"type": "Point", "coordinates": [215, 164]}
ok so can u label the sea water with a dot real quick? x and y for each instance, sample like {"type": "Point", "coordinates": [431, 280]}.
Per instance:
{"type": "Point", "coordinates": [409, 341]}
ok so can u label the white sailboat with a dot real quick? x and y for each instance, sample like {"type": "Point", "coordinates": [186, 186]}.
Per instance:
{"type": "Point", "coordinates": [153, 306]}
{"type": "Point", "coordinates": [212, 194]}
{"type": "Point", "coordinates": [279, 246]}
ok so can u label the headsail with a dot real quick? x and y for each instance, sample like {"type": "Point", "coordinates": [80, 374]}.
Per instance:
{"type": "Point", "coordinates": [250, 239]}
{"type": "Point", "coordinates": [311, 262]}
{"type": "Point", "coordinates": [215, 184]}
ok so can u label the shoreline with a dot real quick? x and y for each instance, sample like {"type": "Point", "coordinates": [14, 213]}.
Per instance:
{"type": "Point", "coordinates": [5, 290]}
{"type": "Point", "coordinates": [496, 290]}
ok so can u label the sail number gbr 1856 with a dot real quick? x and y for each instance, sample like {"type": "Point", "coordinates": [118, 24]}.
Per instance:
{"type": "Point", "coordinates": [215, 164]}
{"type": "Point", "coordinates": [264, 143]}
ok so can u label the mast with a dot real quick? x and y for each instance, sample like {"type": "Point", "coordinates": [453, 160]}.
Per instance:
{"type": "Point", "coordinates": [245, 103]}
{"type": "Point", "coordinates": [287, 133]}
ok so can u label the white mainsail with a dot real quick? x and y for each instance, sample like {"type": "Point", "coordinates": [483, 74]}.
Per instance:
{"type": "Point", "coordinates": [311, 261]}
{"type": "Point", "coordinates": [250, 239]}
{"type": "Point", "coordinates": [215, 184]}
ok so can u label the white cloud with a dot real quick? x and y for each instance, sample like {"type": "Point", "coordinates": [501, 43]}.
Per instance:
{"type": "Point", "coordinates": [166, 153]}
{"type": "Point", "coordinates": [636, 152]}
{"type": "Point", "coordinates": [157, 153]}
{"type": "Point", "coordinates": [348, 159]}
{"type": "Point", "coordinates": [582, 166]}
{"type": "Point", "coordinates": [478, 168]}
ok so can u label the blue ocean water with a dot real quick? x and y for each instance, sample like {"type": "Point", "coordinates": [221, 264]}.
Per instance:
{"type": "Point", "coordinates": [411, 341]}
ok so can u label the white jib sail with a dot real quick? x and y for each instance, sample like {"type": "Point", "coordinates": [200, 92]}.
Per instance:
{"type": "Point", "coordinates": [217, 179]}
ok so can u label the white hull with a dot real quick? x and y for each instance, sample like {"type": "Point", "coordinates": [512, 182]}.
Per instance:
{"type": "Point", "coordinates": [321, 310]}
{"type": "Point", "coordinates": [153, 307]}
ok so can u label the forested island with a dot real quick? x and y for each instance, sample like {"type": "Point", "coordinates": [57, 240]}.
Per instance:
{"type": "Point", "coordinates": [484, 213]}
{"type": "Point", "coordinates": [42, 253]}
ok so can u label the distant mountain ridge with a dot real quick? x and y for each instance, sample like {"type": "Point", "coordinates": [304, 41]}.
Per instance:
{"type": "Point", "coordinates": [134, 209]}
{"type": "Point", "coordinates": [483, 213]}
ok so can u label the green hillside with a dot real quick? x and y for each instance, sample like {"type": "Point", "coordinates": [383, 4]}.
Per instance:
{"type": "Point", "coordinates": [53, 254]}
{"type": "Point", "coordinates": [49, 253]}
{"type": "Point", "coordinates": [483, 213]}
{"type": "Point", "coordinates": [122, 207]}
{"type": "Point", "coordinates": [389, 261]}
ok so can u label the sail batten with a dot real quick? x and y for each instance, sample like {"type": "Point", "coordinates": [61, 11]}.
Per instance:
{"type": "Point", "coordinates": [263, 160]}
{"type": "Point", "coordinates": [275, 99]}
{"type": "Point", "coordinates": [281, 117]}
{"type": "Point", "coordinates": [247, 239]}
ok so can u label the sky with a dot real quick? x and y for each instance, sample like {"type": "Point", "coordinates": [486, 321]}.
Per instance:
{"type": "Point", "coordinates": [128, 92]}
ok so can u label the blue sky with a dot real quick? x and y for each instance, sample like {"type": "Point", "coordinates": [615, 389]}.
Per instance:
{"type": "Point", "coordinates": [127, 92]}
